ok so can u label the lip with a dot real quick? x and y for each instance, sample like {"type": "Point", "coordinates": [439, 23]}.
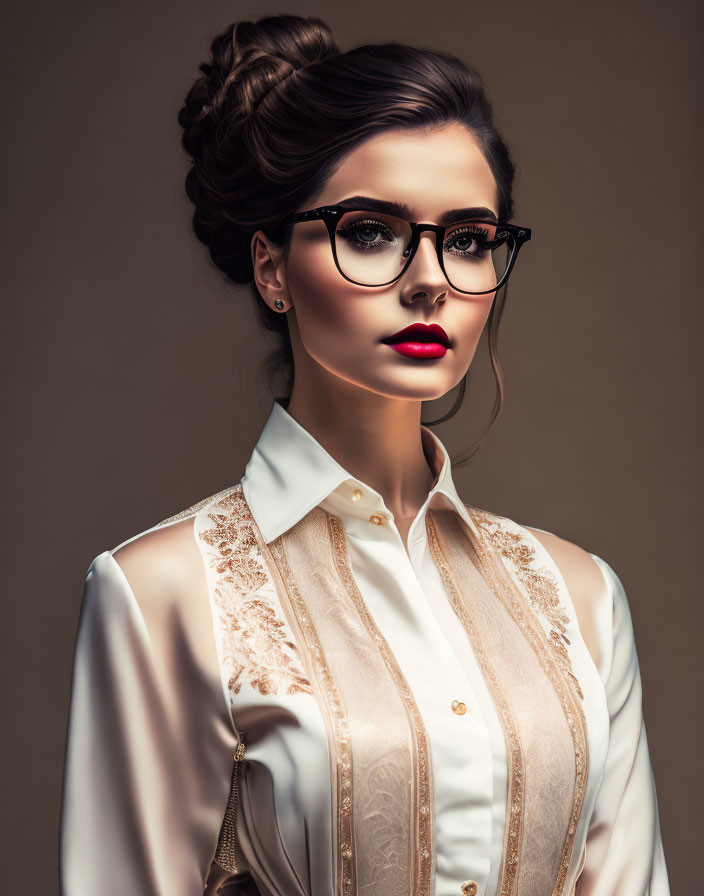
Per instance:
{"type": "Point", "coordinates": [420, 341]}
{"type": "Point", "coordinates": [419, 349]}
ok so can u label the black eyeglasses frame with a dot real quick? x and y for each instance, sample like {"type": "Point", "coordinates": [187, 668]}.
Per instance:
{"type": "Point", "coordinates": [331, 214]}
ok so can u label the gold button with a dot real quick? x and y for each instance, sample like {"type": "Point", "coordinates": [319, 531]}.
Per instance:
{"type": "Point", "coordinates": [458, 707]}
{"type": "Point", "coordinates": [377, 519]}
{"type": "Point", "coordinates": [357, 495]}
{"type": "Point", "coordinates": [469, 888]}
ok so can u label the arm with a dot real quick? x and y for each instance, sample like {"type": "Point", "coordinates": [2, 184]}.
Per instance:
{"type": "Point", "coordinates": [150, 743]}
{"type": "Point", "coordinates": [624, 854]}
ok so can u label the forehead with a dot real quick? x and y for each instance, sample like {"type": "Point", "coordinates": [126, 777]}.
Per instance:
{"type": "Point", "coordinates": [430, 170]}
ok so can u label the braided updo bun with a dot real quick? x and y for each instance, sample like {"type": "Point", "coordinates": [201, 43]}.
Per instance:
{"type": "Point", "coordinates": [278, 106]}
{"type": "Point", "coordinates": [249, 61]}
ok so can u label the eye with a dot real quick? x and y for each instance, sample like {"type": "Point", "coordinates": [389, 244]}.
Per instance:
{"type": "Point", "coordinates": [468, 241]}
{"type": "Point", "coordinates": [367, 233]}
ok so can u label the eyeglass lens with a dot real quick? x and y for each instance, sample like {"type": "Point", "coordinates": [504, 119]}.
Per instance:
{"type": "Point", "coordinates": [372, 249]}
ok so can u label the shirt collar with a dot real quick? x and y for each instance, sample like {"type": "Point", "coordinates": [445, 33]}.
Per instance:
{"type": "Point", "coordinates": [289, 473]}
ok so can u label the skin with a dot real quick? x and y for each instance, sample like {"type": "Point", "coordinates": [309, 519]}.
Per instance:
{"type": "Point", "coordinates": [358, 397]}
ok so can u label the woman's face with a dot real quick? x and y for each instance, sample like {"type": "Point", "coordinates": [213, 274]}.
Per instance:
{"type": "Point", "coordinates": [339, 325]}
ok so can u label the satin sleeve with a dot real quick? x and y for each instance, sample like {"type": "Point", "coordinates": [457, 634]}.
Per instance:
{"type": "Point", "coordinates": [624, 851]}
{"type": "Point", "coordinates": [148, 751]}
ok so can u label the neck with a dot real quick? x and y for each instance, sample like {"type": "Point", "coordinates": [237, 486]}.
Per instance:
{"type": "Point", "coordinates": [375, 437]}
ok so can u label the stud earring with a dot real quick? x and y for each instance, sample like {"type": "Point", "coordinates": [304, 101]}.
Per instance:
{"type": "Point", "coordinates": [279, 304]}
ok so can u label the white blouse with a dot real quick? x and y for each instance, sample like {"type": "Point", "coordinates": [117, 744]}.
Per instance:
{"type": "Point", "coordinates": [272, 696]}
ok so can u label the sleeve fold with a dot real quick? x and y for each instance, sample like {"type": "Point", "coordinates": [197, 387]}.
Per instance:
{"type": "Point", "coordinates": [624, 851]}
{"type": "Point", "coordinates": [148, 750]}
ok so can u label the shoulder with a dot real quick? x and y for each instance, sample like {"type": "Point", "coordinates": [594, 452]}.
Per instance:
{"type": "Point", "coordinates": [581, 572]}
{"type": "Point", "coordinates": [586, 584]}
{"type": "Point", "coordinates": [147, 607]}
{"type": "Point", "coordinates": [163, 564]}
{"type": "Point", "coordinates": [603, 612]}
{"type": "Point", "coordinates": [579, 568]}
{"type": "Point", "coordinates": [584, 575]}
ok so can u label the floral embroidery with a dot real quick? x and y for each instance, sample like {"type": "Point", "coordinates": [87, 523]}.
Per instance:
{"type": "Point", "coordinates": [540, 583]}
{"type": "Point", "coordinates": [253, 637]}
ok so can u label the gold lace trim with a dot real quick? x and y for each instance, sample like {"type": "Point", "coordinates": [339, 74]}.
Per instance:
{"type": "Point", "coordinates": [423, 834]}
{"type": "Point", "coordinates": [342, 756]}
{"type": "Point", "coordinates": [194, 508]}
{"type": "Point", "coordinates": [540, 583]}
{"type": "Point", "coordinates": [541, 587]}
{"type": "Point", "coordinates": [254, 641]}
{"type": "Point", "coordinates": [337, 721]}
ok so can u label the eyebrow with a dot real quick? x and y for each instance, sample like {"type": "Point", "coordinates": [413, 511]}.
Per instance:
{"type": "Point", "coordinates": [401, 210]}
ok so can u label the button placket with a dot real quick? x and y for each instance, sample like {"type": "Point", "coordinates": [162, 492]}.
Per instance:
{"type": "Point", "coordinates": [366, 502]}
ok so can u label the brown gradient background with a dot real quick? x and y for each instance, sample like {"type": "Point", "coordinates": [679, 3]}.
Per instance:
{"type": "Point", "coordinates": [131, 387]}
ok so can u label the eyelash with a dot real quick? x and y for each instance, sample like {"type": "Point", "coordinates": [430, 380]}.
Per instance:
{"type": "Point", "coordinates": [352, 227]}
{"type": "Point", "coordinates": [478, 231]}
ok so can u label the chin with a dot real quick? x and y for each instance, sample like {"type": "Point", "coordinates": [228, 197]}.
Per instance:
{"type": "Point", "coordinates": [426, 392]}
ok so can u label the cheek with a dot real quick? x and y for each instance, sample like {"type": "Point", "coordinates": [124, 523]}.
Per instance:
{"type": "Point", "coordinates": [472, 319]}
{"type": "Point", "coordinates": [330, 311]}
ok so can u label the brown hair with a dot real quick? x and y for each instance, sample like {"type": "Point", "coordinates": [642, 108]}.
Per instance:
{"type": "Point", "coordinates": [279, 106]}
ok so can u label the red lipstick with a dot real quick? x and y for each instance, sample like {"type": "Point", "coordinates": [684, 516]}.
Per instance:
{"type": "Point", "coordinates": [420, 341]}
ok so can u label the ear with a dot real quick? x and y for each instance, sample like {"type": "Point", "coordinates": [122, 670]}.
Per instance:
{"type": "Point", "coordinates": [269, 270]}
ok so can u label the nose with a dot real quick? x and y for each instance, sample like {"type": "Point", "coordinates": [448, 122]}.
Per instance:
{"type": "Point", "coordinates": [424, 277]}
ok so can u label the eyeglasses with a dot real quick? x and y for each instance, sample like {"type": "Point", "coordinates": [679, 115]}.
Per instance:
{"type": "Point", "coordinates": [372, 248]}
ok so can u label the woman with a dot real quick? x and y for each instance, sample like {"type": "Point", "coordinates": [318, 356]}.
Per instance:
{"type": "Point", "coordinates": [336, 677]}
